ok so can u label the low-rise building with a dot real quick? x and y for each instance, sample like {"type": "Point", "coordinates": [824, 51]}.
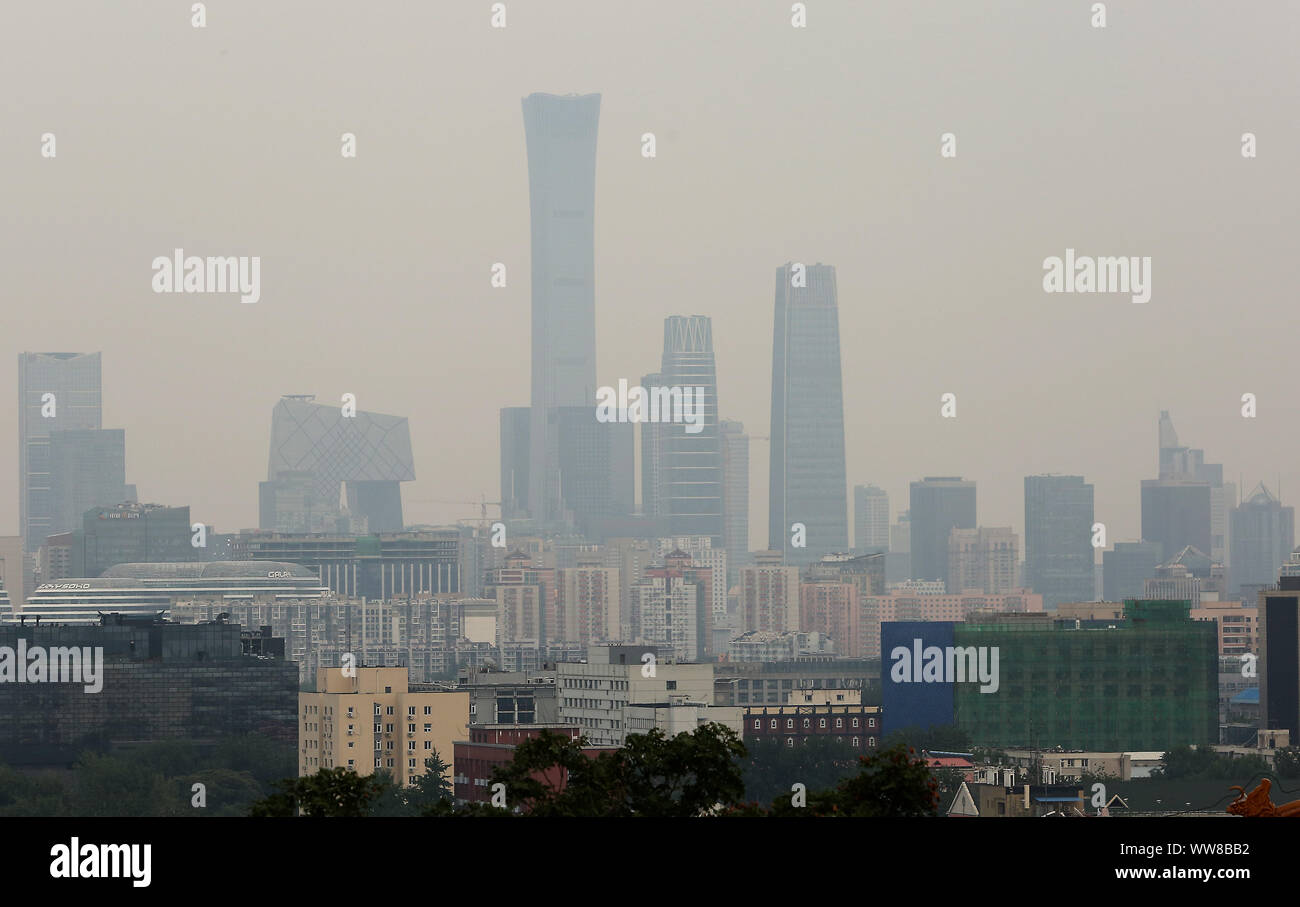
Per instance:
{"type": "Point", "coordinates": [794, 724]}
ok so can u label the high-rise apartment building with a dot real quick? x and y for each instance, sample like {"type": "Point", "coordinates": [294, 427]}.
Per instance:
{"type": "Point", "coordinates": [769, 594]}
{"type": "Point", "coordinates": [832, 608]}
{"type": "Point", "coordinates": [808, 484]}
{"type": "Point", "coordinates": [589, 597]}
{"type": "Point", "coordinates": [870, 519]}
{"type": "Point", "coordinates": [983, 559]}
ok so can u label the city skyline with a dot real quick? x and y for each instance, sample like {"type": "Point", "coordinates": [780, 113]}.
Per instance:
{"type": "Point", "coordinates": [434, 264]}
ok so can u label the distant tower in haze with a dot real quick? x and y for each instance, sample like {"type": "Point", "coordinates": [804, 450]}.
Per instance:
{"type": "Point", "coordinates": [561, 137]}
{"type": "Point", "coordinates": [1058, 539]}
{"type": "Point", "coordinates": [735, 495]}
{"type": "Point", "coordinates": [939, 504]}
{"type": "Point", "coordinates": [514, 461]}
{"type": "Point", "coordinates": [1189, 504]}
{"type": "Point", "coordinates": [1263, 535]}
{"type": "Point", "coordinates": [692, 460]}
{"type": "Point", "coordinates": [56, 392]}
{"type": "Point", "coordinates": [808, 483]}
{"type": "Point", "coordinates": [870, 519]}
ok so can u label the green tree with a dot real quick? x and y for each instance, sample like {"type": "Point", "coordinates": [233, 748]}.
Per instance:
{"type": "Point", "coordinates": [431, 788]}
{"type": "Point", "coordinates": [120, 787]}
{"type": "Point", "coordinates": [892, 783]}
{"type": "Point", "coordinates": [31, 795]}
{"type": "Point", "coordinates": [771, 768]}
{"type": "Point", "coordinates": [265, 759]}
{"type": "Point", "coordinates": [329, 792]}
{"type": "Point", "coordinates": [227, 793]}
{"type": "Point", "coordinates": [651, 775]}
{"type": "Point", "coordinates": [1286, 762]}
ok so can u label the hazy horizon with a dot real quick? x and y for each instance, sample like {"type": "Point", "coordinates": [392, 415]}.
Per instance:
{"type": "Point", "coordinates": [774, 144]}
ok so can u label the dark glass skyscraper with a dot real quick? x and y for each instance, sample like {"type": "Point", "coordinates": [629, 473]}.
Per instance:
{"type": "Point", "coordinates": [56, 392]}
{"type": "Point", "coordinates": [939, 504]}
{"type": "Point", "coordinates": [692, 460]}
{"type": "Point", "coordinates": [561, 137]}
{"type": "Point", "coordinates": [808, 482]}
{"type": "Point", "coordinates": [1058, 539]}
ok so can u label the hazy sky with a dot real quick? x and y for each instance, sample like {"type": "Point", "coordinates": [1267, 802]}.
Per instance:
{"type": "Point", "coordinates": [774, 144]}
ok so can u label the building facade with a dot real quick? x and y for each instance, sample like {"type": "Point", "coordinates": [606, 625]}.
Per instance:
{"type": "Point", "coordinates": [56, 392]}
{"type": "Point", "coordinates": [561, 138]}
{"type": "Point", "coordinates": [1058, 538]}
{"type": "Point", "coordinates": [808, 482]}
{"type": "Point", "coordinates": [939, 504]}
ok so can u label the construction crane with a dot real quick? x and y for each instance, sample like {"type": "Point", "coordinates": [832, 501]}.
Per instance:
{"type": "Point", "coordinates": [482, 503]}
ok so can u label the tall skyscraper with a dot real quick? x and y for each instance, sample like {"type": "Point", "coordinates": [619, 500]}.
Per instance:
{"type": "Point", "coordinates": [87, 469]}
{"type": "Point", "coordinates": [808, 482]}
{"type": "Point", "coordinates": [1058, 539]}
{"type": "Point", "coordinates": [939, 504]}
{"type": "Point", "coordinates": [735, 495]}
{"type": "Point", "coordinates": [1176, 513]}
{"type": "Point", "coordinates": [56, 392]}
{"type": "Point", "coordinates": [596, 469]}
{"type": "Point", "coordinates": [1189, 503]}
{"type": "Point", "coordinates": [870, 519]}
{"type": "Point", "coordinates": [692, 454]}
{"type": "Point", "coordinates": [898, 563]}
{"type": "Point", "coordinates": [654, 495]}
{"type": "Point", "coordinates": [1263, 535]}
{"type": "Point", "coordinates": [514, 461]}
{"type": "Point", "coordinates": [561, 137]}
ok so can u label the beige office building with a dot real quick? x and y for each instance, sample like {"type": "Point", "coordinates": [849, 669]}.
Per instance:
{"type": "Point", "coordinates": [371, 721]}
